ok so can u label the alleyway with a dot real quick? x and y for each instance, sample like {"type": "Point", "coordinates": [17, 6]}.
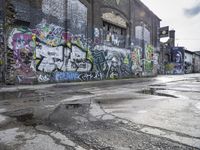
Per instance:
{"type": "Point", "coordinates": [161, 113]}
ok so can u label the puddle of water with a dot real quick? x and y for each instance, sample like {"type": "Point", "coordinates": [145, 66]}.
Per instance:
{"type": "Point", "coordinates": [111, 100]}
{"type": "Point", "coordinates": [153, 91]}
{"type": "Point", "coordinates": [158, 85]}
{"type": "Point", "coordinates": [73, 106]}
{"type": "Point", "coordinates": [80, 93]}
{"type": "Point", "coordinates": [24, 116]}
{"type": "Point", "coordinates": [17, 94]}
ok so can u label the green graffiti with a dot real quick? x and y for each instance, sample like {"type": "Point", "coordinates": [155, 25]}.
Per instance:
{"type": "Point", "coordinates": [148, 66]}
{"type": "Point", "coordinates": [169, 67]}
{"type": "Point", "coordinates": [126, 60]}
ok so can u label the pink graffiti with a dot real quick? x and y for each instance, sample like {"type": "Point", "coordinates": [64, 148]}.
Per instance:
{"type": "Point", "coordinates": [22, 42]}
{"type": "Point", "coordinates": [23, 50]}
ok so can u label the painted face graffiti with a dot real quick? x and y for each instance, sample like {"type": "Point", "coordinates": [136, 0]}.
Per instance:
{"type": "Point", "coordinates": [22, 43]}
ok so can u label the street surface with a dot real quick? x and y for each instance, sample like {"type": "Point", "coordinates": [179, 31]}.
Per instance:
{"type": "Point", "coordinates": [161, 113]}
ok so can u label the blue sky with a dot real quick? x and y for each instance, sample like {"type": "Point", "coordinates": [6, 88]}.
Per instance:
{"type": "Point", "coordinates": [182, 16]}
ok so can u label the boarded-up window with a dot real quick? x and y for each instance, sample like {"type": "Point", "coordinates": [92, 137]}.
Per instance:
{"type": "Point", "coordinates": [114, 35]}
{"type": "Point", "coordinates": [114, 29]}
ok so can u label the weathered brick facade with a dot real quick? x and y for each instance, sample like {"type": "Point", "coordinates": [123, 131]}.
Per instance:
{"type": "Point", "coordinates": [67, 40]}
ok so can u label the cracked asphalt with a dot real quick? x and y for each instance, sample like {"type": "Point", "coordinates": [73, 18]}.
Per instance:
{"type": "Point", "coordinates": [161, 113]}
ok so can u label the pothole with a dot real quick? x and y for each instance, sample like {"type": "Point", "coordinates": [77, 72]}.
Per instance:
{"type": "Point", "coordinates": [80, 93]}
{"type": "Point", "coordinates": [69, 115]}
{"type": "Point", "coordinates": [159, 85]}
{"type": "Point", "coordinates": [154, 91]}
{"type": "Point", "coordinates": [24, 116]}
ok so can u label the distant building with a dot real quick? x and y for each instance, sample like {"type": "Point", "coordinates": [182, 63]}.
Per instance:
{"type": "Point", "coordinates": [189, 61]}
{"type": "Point", "coordinates": [196, 62]}
{"type": "Point", "coordinates": [181, 61]}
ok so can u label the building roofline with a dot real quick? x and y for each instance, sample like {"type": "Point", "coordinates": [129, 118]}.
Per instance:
{"type": "Point", "coordinates": [197, 53]}
{"type": "Point", "coordinates": [188, 51]}
{"type": "Point", "coordinates": [140, 2]}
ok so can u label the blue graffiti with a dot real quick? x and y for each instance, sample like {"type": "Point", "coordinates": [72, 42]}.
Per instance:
{"type": "Point", "coordinates": [66, 76]}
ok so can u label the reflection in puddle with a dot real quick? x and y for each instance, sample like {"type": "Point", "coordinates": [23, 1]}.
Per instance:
{"type": "Point", "coordinates": [17, 94]}
{"type": "Point", "coordinates": [154, 91]}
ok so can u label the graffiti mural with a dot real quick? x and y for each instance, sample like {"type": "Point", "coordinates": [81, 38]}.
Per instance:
{"type": "Point", "coordinates": [78, 61]}
{"type": "Point", "coordinates": [113, 62]}
{"type": "Point", "coordinates": [178, 60]}
{"type": "Point", "coordinates": [49, 54]}
{"type": "Point", "coordinates": [66, 76]}
{"type": "Point", "coordinates": [149, 51]}
{"type": "Point", "coordinates": [44, 78]}
{"type": "Point", "coordinates": [22, 44]}
{"type": "Point", "coordinates": [49, 34]}
{"type": "Point", "coordinates": [88, 76]}
{"type": "Point", "coordinates": [76, 76]}
{"type": "Point", "coordinates": [137, 62]}
{"type": "Point", "coordinates": [169, 68]}
{"type": "Point", "coordinates": [49, 59]}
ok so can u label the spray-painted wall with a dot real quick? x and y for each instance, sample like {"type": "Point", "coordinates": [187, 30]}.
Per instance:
{"type": "Point", "coordinates": [188, 62]}
{"type": "Point", "coordinates": [70, 44]}
{"type": "Point", "coordinates": [177, 64]}
{"type": "Point", "coordinates": [50, 54]}
{"type": "Point", "coordinates": [1, 40]}
{"type": "Point", "coordinates": [196, 63]}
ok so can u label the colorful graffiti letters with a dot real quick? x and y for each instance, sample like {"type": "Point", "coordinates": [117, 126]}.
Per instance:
{"type": "Point", "coordinates": [78, 60]}
{"type": "Point", "coordinates": [49, 58]}
{"type": "Point", "coordinates": [49, 34]}
{"type": "Point", "coordinates": [66, 76]}
{"type": "Point", "coordinates": [89, 76]}
{"type": "Point", "coordinates": [49, 54]}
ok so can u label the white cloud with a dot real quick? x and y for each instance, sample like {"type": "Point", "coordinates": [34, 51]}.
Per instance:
{"type": "Point", "coordinates": [172, 13]}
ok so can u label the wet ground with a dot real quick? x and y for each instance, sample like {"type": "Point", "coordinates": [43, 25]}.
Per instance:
{"type": "Point", "coordinates": [161, 113]}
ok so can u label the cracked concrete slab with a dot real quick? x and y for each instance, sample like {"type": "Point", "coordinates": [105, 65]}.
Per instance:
{"type": "Point", "coordinates": [104, 115]}
{"type": "Point", "coordinates": [191, 141]}
{"type": "Point", "coordinates": [41, 142]}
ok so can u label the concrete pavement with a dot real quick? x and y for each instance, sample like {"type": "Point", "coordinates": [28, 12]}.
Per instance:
{"type": "Point", "coordinates": [147, 113]}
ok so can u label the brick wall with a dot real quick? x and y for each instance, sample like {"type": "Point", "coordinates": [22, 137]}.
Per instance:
{"type": "Point", "coordinates": [65, 40]}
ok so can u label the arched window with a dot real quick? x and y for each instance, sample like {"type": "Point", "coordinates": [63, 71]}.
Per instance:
{"type": "Point", "coordinates": [114, 27]}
